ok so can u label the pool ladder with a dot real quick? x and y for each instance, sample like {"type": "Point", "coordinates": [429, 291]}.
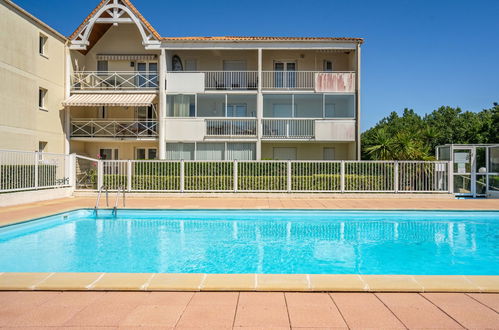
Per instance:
{"type": "Point", "coordinates": [115, 208]}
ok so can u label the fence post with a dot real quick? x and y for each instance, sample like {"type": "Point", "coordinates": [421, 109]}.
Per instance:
{"type": "Point", "coordinates": [289, 176]}
{"type": "Point", "coordinates": [37, 158]}
{"type": "Point", "coordinates": [235, 176]}
{"type": "Point", "coordinates": [342, 176]}
{"type": "Point", "coordinates": [72, 171]}
{"type": "Point", "coordinates": [182, 176]}
{"type": "Point", "coordinates": [100, 174]}
{"type": "Point", "coordinates": [396, 176]}
{"type": "Point", "coordinates": [450, 183]}
{"type": "Point", "coordinates": [129, 176]}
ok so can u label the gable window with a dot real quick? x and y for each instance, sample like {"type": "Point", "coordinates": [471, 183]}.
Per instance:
{"type": "Point", "coordinates": [42, 98]}
{"type": "Point", "coordinates": [42, 45]}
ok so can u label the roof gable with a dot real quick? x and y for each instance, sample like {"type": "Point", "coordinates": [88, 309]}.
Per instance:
{"type": "Point", "coordinates": [106, 14]}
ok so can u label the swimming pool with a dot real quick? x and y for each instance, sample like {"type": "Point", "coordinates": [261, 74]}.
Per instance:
{"type": "Point", "coordinates": [256, 241]}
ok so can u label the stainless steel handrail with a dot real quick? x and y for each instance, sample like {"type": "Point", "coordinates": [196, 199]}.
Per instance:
{"type": "Point", "coordinates": [99, 196]}
{"type": "Point", "coordinates": [120, 189]}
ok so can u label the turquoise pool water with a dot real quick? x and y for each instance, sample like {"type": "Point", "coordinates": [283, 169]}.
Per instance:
{"type": "Point", "coordinates": [254, 241]}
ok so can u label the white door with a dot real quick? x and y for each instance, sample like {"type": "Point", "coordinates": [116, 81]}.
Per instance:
{"type": "Point", "coordinates": [281, 153]}
{"type": "Point", "coordinates": [235, 76]}
{"type": "Point", "coordinates": [285, 74]}
{"type": "Point", "coordinates": [148, 75]}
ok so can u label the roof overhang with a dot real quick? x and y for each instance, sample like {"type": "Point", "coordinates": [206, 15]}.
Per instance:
{"type": "Point", "coordinates": [110, 100]}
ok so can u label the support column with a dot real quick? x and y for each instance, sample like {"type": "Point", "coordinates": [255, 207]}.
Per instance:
{"type": "Point", "coordinates": [162, 104]}
{"type": "Point", "coordinates": [67, 94]}
{"type": "Point", "coordinates": [357, 103]}
{"type": "Point", "coordinates": [259, 106]}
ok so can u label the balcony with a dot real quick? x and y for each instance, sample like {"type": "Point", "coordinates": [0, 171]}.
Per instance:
{"type": "Point", "coordinates": [288, 128]}
{"type": "Point", "coordinates": [114, 81]}
{"type": "Point", "coordinates": [224, 127]}
{"type": "Point", "coordinates": [318, 81]}
{"type": "Point", "coordinates": [96, 128]}
{"type": "Point", "coordinates": [318, 129]}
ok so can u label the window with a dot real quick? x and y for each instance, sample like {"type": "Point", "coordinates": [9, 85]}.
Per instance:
{"type": "Point", "coordinates": [42, 98]}
{"type": "Point", "coordinates": [278, 106]}
{"type": "Point", "coordinates": [42, 45]}
{"type": "Point", "coordinates": [328, 65]}
{"type": "Point", "coordinates": [109, 154]}
{"type": "Point", "coordinates": [42, 146]}
{"type": "Point", "coordinates": [145, 153]}
{"type": "Point", "coordinates": [103, 112]}
{"type": "Point", "coordinates": [180, 151]}
{"type": "Point", "coordinates": [284, 153]}
{"type": "Point", "coordinates": [308, 105]}
{"type": "Point", "coordinates": [181, 105]}
{"type": "Point", "coordinates": [339, 106]}
{"type": "Point", "coordinates": [102, 66]}
{"type": "Point", "coordinates": [211, 105]}
{"type": "Point", "coordinates": [328, 154]}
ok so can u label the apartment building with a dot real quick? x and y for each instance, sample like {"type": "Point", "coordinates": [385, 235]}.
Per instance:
{"type": "Point", "coordinates": [133, 94]}
{"type": "Point", "coordinates": [32, 82]}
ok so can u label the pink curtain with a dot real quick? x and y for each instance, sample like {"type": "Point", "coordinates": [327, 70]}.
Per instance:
{"type": "Point", "coordinates": [335, 82]}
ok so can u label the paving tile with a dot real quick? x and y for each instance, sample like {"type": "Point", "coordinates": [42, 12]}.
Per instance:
{"type": "Point", "coordinates": [154, 316]}
{"type": "Point", "coordinates": [102, 314]}
{"type": "Point", "coordinates": [76, 299]}
{"type": "Point", "coordinates": [365, 310]}
{"type": "Point", "coordinates": [68, 281]}
{"type": "Point", "coordinates": [176, 282]}
{"type": "Point", "coordinates": [462, 308]}
{"type": "Point", "coordinates": [262, 309]}
{"type": "Point", "coordinates": [168, 298]}
{"type": "Point", "coordinates": [278, 282]}
{"type": "Point", "coordinates": [229, 282]}
{"type": "Point", "coordinates": [440, 283]}
{"type": "Point", "coordinates": [21, 303]}
{"type": "Point", "coordinates": [210, 309]}
{"type": "Point", "coordinates": [485, 283]}
{"type": "Point", "coordinates": [392, 283]}
{"type": "Point", "coordinates": [313, 310]}
{"type": "Point", "coordinates": [416, 312]}
{"type": "Point", "coordinates": [337, 283]}
{"type": "Point", "coordinates": [46, 316]}
{"type": "Point", "coordinates": [21, 281]}
{"type": "Point", "coordinates": [491, 300]}
{"type": "Point", "coordinates": [122, 281]}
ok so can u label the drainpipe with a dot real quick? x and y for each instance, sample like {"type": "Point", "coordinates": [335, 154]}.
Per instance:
{"type": "Point", "coordinates": [357, 114]}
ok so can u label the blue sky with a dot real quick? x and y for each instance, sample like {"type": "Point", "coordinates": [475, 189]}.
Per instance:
{"type": "Point", "coordinates": [418, 54]}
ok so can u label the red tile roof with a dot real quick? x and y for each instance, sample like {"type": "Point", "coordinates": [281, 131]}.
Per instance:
{"type": "Point", "coordinates": [221, 38]}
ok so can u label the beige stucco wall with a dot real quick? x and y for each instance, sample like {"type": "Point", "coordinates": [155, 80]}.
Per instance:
{"type": "Point", "coordinates": [121, 39]}
{"type": "Point", "coordinates": [22, 72]}
{"type": "Point", "coordinates": [126, 149]}
{"type": "Point", "coordinates": [311, 150]}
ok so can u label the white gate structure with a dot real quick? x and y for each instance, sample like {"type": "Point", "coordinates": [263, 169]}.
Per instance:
{"type": "Point", "coordinates": [22, 171]}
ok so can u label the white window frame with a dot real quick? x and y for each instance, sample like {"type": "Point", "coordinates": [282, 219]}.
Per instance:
{"type": "Point", "coordinates": [146, 152]}
{"type": "Point", "coordinates": [42, 48]}
{"type": "Point", "coordinates": [115, 153]}
{"type": "Point", "coordinates": [42, 98]}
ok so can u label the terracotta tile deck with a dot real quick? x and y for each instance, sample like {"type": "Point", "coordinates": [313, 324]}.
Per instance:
{"type": "Point", "coordinates": [245, 310]}
{"type": "Point", "coordinates": [248, 310]}
{"type": "Point", "coordinates": [24, 212]}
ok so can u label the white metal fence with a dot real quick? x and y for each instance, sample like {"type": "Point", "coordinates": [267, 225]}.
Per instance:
{"type": "Point", "coordinates": [275, 176]}
{"type": "Point", "coordinates": [309, 80]}
{"type": "Point", "coordinates": [288, 128]}
{"type": "Point", "coordinates": [231, 127]}
{"type": "Point", "coordinates": [20, 170]}
{"type": "Point", "coordinates": [119, 80]}
{"type": "Point", "coordinates": [113, 128]}
{"type": "Point", "coordinates": [231, 80]}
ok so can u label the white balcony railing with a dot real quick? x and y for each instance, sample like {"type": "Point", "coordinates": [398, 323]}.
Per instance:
{"type": "Point", "coordinates": [122, 80]}
{"type": "Point", "coordinates": [288, 128]}
{"type": "Point", "coordinates": [231, 80]}
{"type": "Point", "coordinates": [231, 127]}
{"type": "Point", "coordinates": [309, 80]}
{"type": "Point", "coordinates": [94, 128]}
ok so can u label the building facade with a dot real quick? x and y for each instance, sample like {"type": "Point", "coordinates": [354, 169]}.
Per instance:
{"type": "Point", "coordinates": [32, 82]}
{"type": "Point", "coordinates": [133, 94]}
